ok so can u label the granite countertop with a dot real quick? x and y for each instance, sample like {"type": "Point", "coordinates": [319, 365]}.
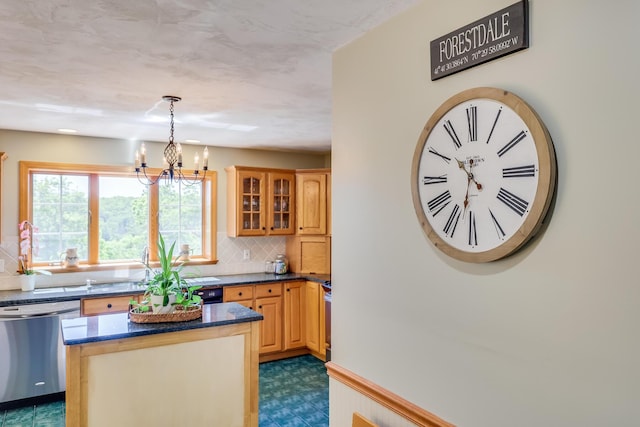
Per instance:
{"type": "Point", "coordinates": [77, 292]}
{"type": "Point", "coordinates": [83, 330]}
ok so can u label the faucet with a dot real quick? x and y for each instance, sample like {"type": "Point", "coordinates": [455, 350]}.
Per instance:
{"type": "Point", "coordinates": [145, 261]}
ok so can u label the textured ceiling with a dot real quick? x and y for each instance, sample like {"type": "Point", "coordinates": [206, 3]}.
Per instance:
{"type": "Point", "coordinates": [251, 73]}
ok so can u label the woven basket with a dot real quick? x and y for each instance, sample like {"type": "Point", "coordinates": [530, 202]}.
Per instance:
{"type": "Point", "coordinates": [178, 315]}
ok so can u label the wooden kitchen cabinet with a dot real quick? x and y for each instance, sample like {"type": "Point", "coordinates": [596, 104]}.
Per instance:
{"type": "Point", "coordinates": [309, 254]}
{"type": "Point", "coordinates": [260, 201]}
{"type": "Point", "coordinates": [266, 299]}
{"type": "Point", "coordinates": [314, 318]}
{"type": "Point", "coordinates": [294, 315]}
{"type": "Point", "coordinates": [311, 203]}
{"type": "Point", "coordinates": [107, 305]}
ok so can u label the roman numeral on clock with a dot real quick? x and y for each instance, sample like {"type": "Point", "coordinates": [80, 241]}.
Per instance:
{"type": "Point", "coordinates": [434, 179]}
{"type": "Point", "coordinates": [473, 234]}
{"type": "Point", "coordinates": [514, 202]}
{"type": "Point", "coordinates": [496, 224]}
{"type": "Point", "coordinates": [439, 202]}
{"type": "Point", "coordinates": [519, 172]}
{"type": "Point", "coordinates": [443, 157]}
{"type": "Point", "coordinates": [452, 222]}
{"type": "Point", "coordinates": [519, 137]}
{"type": "Point", "coordinates": [472, 120]}
{"type": "Point", "coordinates": [452, 133]}
{"type": "Point", "coordinates": [494, 124]}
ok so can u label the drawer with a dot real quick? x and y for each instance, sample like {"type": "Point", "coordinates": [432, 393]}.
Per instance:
{"type": "Point", "coordinates": [269, 290]}
{"type": "Point", "coordinates": [248, 303]}
{"type": "Point", "coordinates": [237, 293]}
{"type": "Point", "coordinates": [95, 306]}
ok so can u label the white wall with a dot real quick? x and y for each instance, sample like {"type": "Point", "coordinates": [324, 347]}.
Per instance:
{"type": "Point", "coordinates": [549, 336]}
{"type": "Point", "coordinates": [100, 151]}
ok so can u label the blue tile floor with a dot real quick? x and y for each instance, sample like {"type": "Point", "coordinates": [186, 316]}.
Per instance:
{"type": "Point", "coordinates": [293, 393]}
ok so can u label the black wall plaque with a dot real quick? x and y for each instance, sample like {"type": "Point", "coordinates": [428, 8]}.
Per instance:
{"type": "Point", "coordinates": [496, 35]}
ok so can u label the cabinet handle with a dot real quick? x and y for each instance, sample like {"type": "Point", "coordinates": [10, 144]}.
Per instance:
{"type": "Point", "coordinates": [239, 294]}
{"type": "Point", "coordinates": [300, 228]}
{"type": "Point", "coordinates": [288, 289]}
{"type": "Point", "coordinates": [109, 305]}
{"type": "Point", "coordinates": [259, 306]}
{"type": "Point", "coordinates": [269, 290]}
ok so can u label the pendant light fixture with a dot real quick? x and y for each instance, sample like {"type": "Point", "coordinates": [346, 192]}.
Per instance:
{"type": "Point", "coordinates": [172, 168]}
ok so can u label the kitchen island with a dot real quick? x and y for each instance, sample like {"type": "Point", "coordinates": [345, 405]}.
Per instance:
{"type": "Point", "coordinates": [197, 373]}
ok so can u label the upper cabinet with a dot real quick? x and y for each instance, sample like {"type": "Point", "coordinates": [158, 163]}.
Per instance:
{"type": "Point", "coordinates": [312, 202]}
{"type": "Point", "coordinates": [281, 203]}
{"type": "Point", "coordinates": [260, 201]}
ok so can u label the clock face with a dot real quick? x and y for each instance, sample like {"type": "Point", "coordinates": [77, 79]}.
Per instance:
{"type": "Point", "coordinates": [483, 175]}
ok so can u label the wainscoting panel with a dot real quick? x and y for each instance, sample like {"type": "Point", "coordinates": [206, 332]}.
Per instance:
{"type": "Point", "coordinates": [349, 393]}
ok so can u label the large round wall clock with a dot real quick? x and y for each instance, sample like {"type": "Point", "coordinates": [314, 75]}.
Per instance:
{"type": "Point", "coordinates": [483, 175]}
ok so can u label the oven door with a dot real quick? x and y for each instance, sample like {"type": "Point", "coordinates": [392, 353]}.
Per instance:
{"type": "Point", "coordinates": [210, 295]}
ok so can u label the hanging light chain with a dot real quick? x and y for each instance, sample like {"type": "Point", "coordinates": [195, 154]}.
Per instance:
{"type": "Point", "coordinates": [173, 157]}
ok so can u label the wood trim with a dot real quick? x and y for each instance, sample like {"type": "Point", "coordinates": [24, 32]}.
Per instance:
{"type": "Point", "coordinates": [94, 214]}
{"type": "Point", "coordinates": [384, 397]}
{"type": "Point", "coordinates": [3, 156]}
{"type": "Point", "coordinates": [209, 207]}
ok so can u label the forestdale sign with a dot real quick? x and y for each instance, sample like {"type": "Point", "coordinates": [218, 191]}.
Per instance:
{"type": "Point", "coordinates": [489, 38]}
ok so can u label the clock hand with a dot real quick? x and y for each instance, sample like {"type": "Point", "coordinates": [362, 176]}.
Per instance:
{"type": "Point", "coordinates": [472, 176]}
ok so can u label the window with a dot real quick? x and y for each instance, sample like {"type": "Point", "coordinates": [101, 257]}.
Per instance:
{"type": "Point", "coordinates": [109, 216]}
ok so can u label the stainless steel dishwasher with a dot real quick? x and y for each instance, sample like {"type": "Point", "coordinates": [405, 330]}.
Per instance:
{"type": "Point", "coordinates": [32, 355]}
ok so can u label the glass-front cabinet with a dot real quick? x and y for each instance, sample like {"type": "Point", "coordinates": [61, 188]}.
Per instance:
{"type": "Point", "coordinates": [281, 199]}
{"type": "Point", "coordinates": [259, 201]}
{"type": "Point", "coordinates": [253, 217]}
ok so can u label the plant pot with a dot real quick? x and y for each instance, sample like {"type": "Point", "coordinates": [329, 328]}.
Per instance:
{"type": "Point", "coordinates": [27, 282]}
{"type": "Point", "coordinates": [156, 304]}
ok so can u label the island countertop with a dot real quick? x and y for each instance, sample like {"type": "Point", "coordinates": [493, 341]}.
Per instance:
{"type": "Point", "coordinates": [107, 327]}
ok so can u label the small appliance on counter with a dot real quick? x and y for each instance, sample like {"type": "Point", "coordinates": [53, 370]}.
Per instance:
{"type": "Point", "coordinates": [281, 264]}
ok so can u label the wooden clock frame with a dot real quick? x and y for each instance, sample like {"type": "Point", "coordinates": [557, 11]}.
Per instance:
{"type": "Point", "coordinates": [546, 176]}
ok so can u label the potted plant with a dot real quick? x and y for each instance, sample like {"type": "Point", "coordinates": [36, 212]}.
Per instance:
{"type": "Point", "coordinates": [167, 289]}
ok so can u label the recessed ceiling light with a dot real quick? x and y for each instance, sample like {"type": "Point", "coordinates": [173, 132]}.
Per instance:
{"type": "Point", "coordinates": [63, 130]}
{"type": "Point", "coordinates": [192, 141]}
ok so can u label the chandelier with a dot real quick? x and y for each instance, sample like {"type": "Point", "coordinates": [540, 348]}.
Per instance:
{"type": "Point", "coordinates": [172, 161]}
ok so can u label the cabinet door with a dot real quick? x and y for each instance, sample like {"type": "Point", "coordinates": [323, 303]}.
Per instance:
{"type": "Point", "coordinates": [246, 193]}
{"type": "Point", "coordinates": [271, 326]}
{"type": "Point", "coordinates": [311, 203]}
{"type": "Point", "coordinates": [294, 315]}
{"type": "Point", "coordinates": [313, 294]}
{"type": "Point", "coordinates": [309, 254]}
{"type": "Point", "coordinates": [281, 203]}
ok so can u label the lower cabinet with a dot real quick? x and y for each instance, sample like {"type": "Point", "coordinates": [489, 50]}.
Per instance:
{"type": "Point", "coordinates": [315, 319]}
{"type": "Point", "coordinates": [266, 299]}
{"type": "Point", "coordinates": [294, 315]}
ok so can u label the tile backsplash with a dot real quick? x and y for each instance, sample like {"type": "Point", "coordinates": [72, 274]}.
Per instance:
{"type": "Point", "coordinates": [230, 261]}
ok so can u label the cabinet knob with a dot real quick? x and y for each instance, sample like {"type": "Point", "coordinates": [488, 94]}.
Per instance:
{"type": "Point", "coordinates": [260, 306]}
{"type": "Point", "coordinates": [269, 290]}
{"type": "Point", "coordinates": [109, 305]}
{"type": "Point", "coordinates": [239, 294]}
{"type": "Point", "coordinates": [288, 289]}
{"type": "Point", "coordinates": [300, 228]}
